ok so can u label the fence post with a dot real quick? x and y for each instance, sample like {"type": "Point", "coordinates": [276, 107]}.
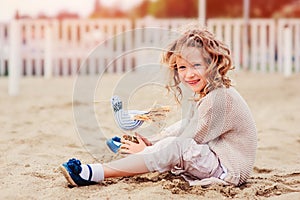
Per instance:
{"type": "Point", "coordinates": [287, 68]}
{"type": "Point", "coordinates": [202, 12]}
{"type": "Point", "coordinates": [48, 52]}
{"type": "Point", "coordinates": [14, 59]}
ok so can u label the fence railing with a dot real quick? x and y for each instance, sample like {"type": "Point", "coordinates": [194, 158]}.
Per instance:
{"type": "Point", "coordinates": [58, 48]}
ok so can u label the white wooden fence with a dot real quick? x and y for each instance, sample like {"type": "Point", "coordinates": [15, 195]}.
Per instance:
{"type": "Point", "coordinates": [57, 48]}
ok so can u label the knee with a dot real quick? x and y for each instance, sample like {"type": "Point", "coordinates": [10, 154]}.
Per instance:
{"type": "Point", "coordinates": [182, 141]}
{"type": "Point", "coordinates": [177, 144]}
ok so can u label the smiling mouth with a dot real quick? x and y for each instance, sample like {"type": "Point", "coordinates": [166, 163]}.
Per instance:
{"type": "Point", "coordinates": [193, 82]}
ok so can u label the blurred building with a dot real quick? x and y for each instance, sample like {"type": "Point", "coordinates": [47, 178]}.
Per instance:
{"type": "Point", "coordinates": [291, 10]}
{"type": "Point", "coordinates": [101, 11]}
{"type": "Point", "coordinates": [60, 16]}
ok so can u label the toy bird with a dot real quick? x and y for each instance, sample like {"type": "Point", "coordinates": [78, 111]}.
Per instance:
{"type": "Point", "coordinates": [131, 119]}
{"type": "Point", "coordinates": [124, 118]}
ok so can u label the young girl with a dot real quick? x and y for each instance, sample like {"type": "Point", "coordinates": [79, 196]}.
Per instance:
{"type": "Point", "coordinates": [216, 143]}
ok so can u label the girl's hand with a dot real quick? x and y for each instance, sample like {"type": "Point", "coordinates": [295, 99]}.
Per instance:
{"type": "Point", "coordinates": [146, 141]}
{"type": "Point", "coordinates": [129, 147]}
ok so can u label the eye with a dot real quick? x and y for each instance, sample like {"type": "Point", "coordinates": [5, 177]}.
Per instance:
{"type": "Point", "coordinates": [181, 68]}
{"type": "Point", "coordinates": [199, 66]}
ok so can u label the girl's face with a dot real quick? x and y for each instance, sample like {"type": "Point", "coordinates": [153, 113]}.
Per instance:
{"type": "Point", "coordinates": [191, 68]}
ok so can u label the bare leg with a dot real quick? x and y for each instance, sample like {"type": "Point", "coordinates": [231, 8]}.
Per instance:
{"type": "Point", "coordinates": [131, 165]}
{"type": "Point", "coordinates": [162, 156]}
{"type": "Point", "coordinates": [169, 149]}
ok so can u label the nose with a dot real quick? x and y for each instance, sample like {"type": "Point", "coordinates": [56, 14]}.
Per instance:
{"type": "Point", "coordinates": [190, 72]}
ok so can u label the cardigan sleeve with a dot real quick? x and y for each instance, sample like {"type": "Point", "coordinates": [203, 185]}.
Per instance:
{"type": "Point", "coordinates": [213, 116]}
{"type": "Point", "coordinates": [209, 122]}
{"type": "Point", "coordinates": [173, 130]}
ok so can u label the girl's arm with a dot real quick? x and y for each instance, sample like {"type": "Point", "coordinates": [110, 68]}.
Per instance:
{"type": "Point", "coordinates": [173, 130]}
{"type": "Point", "coordinates": [130, 147]}
{"type": "Point", "coordinates": [214, 116]}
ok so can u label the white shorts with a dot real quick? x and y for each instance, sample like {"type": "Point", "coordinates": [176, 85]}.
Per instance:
{"type": "Point", "coordinates": [183, 156]}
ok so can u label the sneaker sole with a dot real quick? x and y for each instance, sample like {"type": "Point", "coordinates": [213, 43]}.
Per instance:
{"type": "Point", "coordinates": [67, 176]}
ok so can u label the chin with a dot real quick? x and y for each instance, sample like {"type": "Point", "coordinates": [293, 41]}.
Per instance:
{"type": "Point", "coordinates": [198, 90]}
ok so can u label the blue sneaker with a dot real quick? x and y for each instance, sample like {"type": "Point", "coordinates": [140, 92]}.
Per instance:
{"type": "Point", "coordinates": [71, 171]}
{"type": "Point", "coordinates": [114, 144]}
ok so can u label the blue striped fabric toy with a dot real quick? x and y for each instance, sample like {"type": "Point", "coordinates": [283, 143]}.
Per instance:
{"type": "Point", "coordinates": [129, 120]}
{"type": "Point", "coordinates": [124, 118]}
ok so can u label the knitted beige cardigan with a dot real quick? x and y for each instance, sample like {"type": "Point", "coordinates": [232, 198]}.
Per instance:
{"type": "Point", "coordinates": [222, 119]}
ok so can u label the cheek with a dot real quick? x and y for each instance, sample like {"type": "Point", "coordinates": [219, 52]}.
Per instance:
{"type": "Point", "coordinates": [204, 82]}
{"type": "Point", "coordinates": [181, 77]}
{"type": "Point", "coordinates": [202, 75]}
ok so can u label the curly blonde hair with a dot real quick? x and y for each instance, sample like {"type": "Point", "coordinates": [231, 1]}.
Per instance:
{"type": "Point", "coordinates": [215, 53]}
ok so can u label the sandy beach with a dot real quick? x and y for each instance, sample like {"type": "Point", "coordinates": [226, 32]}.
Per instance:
{"type": "Point", "coordinates": [38, 133]}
